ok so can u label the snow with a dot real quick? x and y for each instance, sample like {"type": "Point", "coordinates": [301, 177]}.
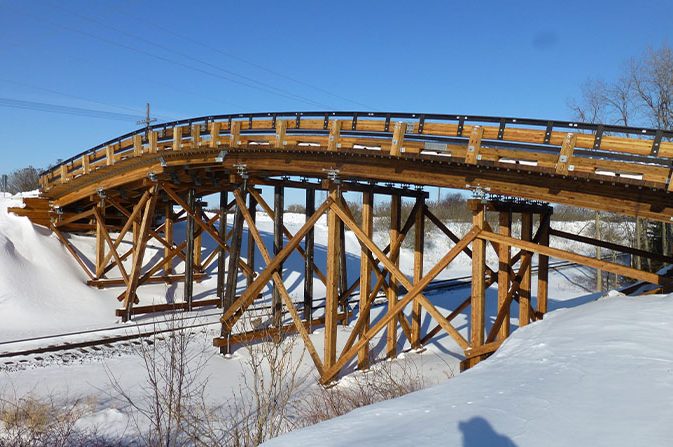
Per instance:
{"type": "Point", "coordinates": [43, 292]}
{"type": "Point", "coordinates": [598, 374]}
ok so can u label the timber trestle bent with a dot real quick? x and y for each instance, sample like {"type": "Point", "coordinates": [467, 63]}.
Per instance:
{"type": "Point", "coordinates": [134, 189]}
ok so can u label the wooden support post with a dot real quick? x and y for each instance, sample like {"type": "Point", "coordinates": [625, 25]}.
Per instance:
{"type": "Point", "coordinates": [109, 155]}
{"type": "Point", "coordinates": [419, 243]}
{"type": "Point", "coordinates": [139, 253]}
{"type": "Point", "coordinates": [474, 145]}
{"type": "Point", "coordinates": [564, 163]}
{"type": "Point", "coordinates": [543, 269]}
{"type": "Point", "coordinates": [152, 138]}
{"type": "Point", "coordinates": [189, 262]}
{"type": "Point", "coordinates": [196, 136]}
{"type": "Point", "coordinates": [177, 138]}
{"type": "Point", "coordinates": [504, 280]}
{"type": "Point", "coordinates": [478, 296]}
{"type": "Point", "coordinates": [332, 295]}
{"type": "Point", "coordinates": [215, 134]}
{"type": "Point", "coordinates": [137, 145]}
{"type": "Point", "coordinates": [221, 256]}
{"type": "Point", "coordinates": [281, 130]}
{"type": "Point", "coordinates": [234, 254]}
{"type": "Point", "coordinates": [252, 210]}
{"type": "Point", "coordinates": [86, 167]}
{"type": "Point", "coordinates": [365, 273]}
{"type": "Point", "coordinates": [100, 241]}
{"type": "Point", "coordinates": [309, 258]}
{"type": "Point", "coordinates": [278, 205]}
{"type": "Point", "coordinates": [343, 274]}
{"type": "Point", "coordinates": [334, 135]}
{"type": "Point", "coordinates": [524, 289]}
{"type": "Point", "coordinates": [168, 236]}
{"type": "Point", "coordinates": [395, 223]}
{"type": "Point", "coordinates": [398, 138]}
{"type": "Point", "coordinates": [198, 238]}
{"type": "Point", "coordinates": [235, 134]}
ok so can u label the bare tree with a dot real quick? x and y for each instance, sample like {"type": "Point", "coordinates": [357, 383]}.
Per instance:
{"type": "Point", "coordinates": [22, 180]}
{"type": "Point", "coordinates": [175, 385]}
{"type": "Point", "coordinates": [642, 95]}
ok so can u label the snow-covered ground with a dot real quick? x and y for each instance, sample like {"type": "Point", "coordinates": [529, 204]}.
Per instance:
{"type": "Point", "coordinates": [596, 375]}
{"type": "Point", "coordinates": [43, 292]}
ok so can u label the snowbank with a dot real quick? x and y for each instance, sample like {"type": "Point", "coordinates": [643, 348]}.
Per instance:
{"type": "Point", "coordinates": [41, 287]}
{"type": "Point", "coordinates": [598, 374]}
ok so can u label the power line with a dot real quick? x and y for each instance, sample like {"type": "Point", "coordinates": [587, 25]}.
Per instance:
{"type": "Point", "coordinates": [250, 63]}
{"type": "Point", "coordinates": [23, 84]}
{"type": "Point", "coordinates": [66, 110]}
{"type": "Point", "coordinates": [247, 81]}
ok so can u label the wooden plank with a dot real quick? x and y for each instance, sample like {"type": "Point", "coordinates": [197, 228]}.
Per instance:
{"type": "Point", "coordinates": [474, 145]}
{"type": "Point", "coordinates": [398, 138]}
{"type": "Point", "coordinates": [611, 246]}
{"type": "Point", "coordinates": [580, 259]}
{"type": "Point", "coordinates": [72, 251]}
{"type": "Point", "coordinates": [565, 162]}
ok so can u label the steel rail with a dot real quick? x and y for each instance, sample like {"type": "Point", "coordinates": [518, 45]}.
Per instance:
{"type": "Point", "coordinates": [441, 284]}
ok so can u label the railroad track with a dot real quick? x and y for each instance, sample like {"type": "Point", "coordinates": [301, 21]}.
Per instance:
{"type": "Point", "coordinates": [133, 334]}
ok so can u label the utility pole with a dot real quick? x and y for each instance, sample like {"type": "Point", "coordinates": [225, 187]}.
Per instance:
{"type": "Point", "coordinates": [4, 183]}
{"type": "Point", "coordinates": [148, 119]}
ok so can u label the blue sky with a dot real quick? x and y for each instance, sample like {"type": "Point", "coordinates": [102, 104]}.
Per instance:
{"type": "Point", "coordinates": [195, 58]}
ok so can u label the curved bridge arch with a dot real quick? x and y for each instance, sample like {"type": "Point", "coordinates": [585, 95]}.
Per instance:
{"type": "Point", "coordinates": [135, 182]}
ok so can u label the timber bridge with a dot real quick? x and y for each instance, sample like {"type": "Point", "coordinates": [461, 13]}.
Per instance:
{"type": "Point", "coordinates": [142, 183]}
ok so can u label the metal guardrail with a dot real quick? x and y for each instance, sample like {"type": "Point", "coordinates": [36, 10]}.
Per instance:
{"type": "Point", "coordinates": [656, 135]}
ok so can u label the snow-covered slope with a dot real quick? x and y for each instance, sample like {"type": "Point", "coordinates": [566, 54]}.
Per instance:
{"type": "Point", "coordinates": [34, 269]}
{"type": "Point", "coordinates": [600, 374]}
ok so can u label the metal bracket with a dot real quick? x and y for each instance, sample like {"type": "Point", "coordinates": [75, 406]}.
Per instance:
{"type": "Point", "coordinates": [242, 170]}
{"type": "Point", "coordinates": [332, 174]}
{"type": "Point", "coordinates": [220, 156]}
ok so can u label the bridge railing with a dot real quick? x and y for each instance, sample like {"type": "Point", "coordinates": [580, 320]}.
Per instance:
{"type": "Point", "coordinates": [625, 154]}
